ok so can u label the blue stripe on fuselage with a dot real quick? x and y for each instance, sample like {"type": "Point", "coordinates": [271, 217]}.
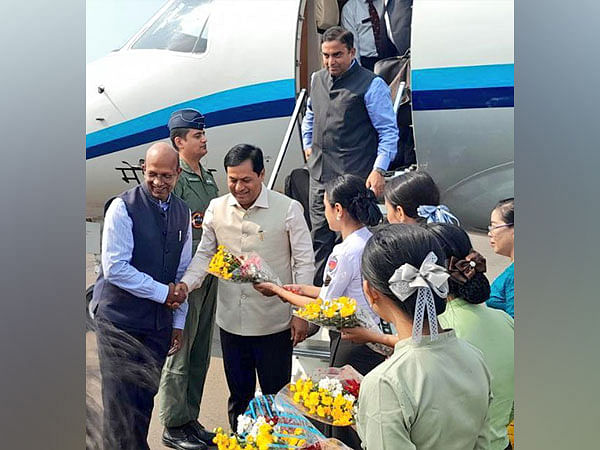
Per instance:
{"type": "Point", "coordinates": [489, 86]}
{"type": "Point", "coordinates": [260, 101]}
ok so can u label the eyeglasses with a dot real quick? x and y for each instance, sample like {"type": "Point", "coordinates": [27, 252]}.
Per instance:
{"type": "Point", "coordinates": [164, 178]}
{"type": "Point", "coordinates": [492, 228]}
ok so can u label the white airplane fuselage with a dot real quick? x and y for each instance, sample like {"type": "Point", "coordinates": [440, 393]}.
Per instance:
{"type": "Point", "coordinates": [247, 76]}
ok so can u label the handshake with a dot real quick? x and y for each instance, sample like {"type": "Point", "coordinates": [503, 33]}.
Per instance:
{"type": "Point", "coordinates": [177, 295]}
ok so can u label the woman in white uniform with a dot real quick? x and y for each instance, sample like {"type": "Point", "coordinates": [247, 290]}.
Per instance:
{"type": "Point", "coordinates": [349, 208]}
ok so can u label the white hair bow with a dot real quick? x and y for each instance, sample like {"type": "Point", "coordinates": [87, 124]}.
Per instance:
{"type": "Point", "coordinates": [429, 277]}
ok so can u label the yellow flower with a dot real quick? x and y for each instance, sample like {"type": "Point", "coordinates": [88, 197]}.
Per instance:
{"type": "Point", "coordinates": [265, 437]}
{"type": "Point", "coordinates": [339, 401]}
{"type": "Point", "coordinates": [326, 400]}
{"type": "Point", "coordinates": [307, 387]}
{"type": "Point", "coordinates": [330, 312]}
{"type": "Point", "coordinates": [312, 400]}
{"type": "Point", "coordinates": [321, 411]}
{"type": "Point", "coordinates": [298, 397]}
{"type": "Point", "coordinates": [347, 310]}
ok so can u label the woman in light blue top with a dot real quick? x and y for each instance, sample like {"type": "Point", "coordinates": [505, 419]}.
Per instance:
{"type": "Point", "coordinates": [502, 239]}
{"type": "Point", "coordinates": [434, 392]}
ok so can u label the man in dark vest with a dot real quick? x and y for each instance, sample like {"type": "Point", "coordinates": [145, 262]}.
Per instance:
{"type": "Point", "coordinates": [184, 374]}
{"type": "Point", "coordinates": [349, 127]}
{"type": "Point", "coordinates": [146, 247]}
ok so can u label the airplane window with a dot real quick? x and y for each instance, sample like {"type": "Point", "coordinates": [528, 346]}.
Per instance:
{"type": "Point", "coordinates": [183, 27]}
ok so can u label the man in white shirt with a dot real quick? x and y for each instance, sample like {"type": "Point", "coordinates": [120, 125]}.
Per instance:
{"type": "Point", "coordinates": [257, 332]}
{"type": "Point", "coordinates": [365, 19]}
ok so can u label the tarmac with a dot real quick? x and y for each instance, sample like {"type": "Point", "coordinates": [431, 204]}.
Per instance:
{"type": "Point", "coordinates": [213, 411]}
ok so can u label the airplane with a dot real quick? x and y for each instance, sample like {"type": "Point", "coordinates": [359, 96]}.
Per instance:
{"type": "Point", "coordinates": [245, 64]}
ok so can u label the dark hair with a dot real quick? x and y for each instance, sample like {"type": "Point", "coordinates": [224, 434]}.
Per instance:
{"type": "Point", "coordinates": [392, 246]}
{"type": "Point", "coordinates": [337, 33]}
{"type": "Point", "coordinates": [178, 132]}
{"type": "Point", "coordinates": [411, 190]}
{"type": "Point", "coordinates": [243, 152]}
{"type": "Point", "coordinates": [350, 192]}
{"type": "Point", "coordinates": [456, 242]}
{"type": "Point", "coordinates": [506, 208]}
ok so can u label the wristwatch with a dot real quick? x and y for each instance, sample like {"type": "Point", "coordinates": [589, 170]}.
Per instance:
{"type": "Point", "coordinates": [380, 171]}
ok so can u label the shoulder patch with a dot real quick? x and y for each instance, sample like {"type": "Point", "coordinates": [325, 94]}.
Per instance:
{"type": "Point", "coordinates": [197, 219]}
{"type": "Point", "coordinates": [332, 264]}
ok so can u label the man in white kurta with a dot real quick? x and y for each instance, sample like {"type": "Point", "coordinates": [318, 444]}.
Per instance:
{"type": "Point", "coordinates": [257, 332]}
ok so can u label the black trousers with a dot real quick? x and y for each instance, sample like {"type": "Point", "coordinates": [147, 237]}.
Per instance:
{"type": "Point", "coordinates": [130, 365]}
{"type": "Point", "coordinates": [363, 359]}
{"type": "Point", "coordinates": [323, 238]}
{"type": "Point", "coordinates": [245, 357]}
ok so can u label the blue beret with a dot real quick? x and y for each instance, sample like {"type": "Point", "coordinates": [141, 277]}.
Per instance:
{"type": "Point", "coordinates": [186, 118]}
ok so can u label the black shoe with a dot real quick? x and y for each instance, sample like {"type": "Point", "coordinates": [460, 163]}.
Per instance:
{"type": "Point", "coordinates": [180, 438]}
{"type": "Point", "coordinates": [197, 429]}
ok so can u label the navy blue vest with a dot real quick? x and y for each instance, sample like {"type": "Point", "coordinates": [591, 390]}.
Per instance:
{"type": "Point", "coordinates": [156, 252]}
{"type": "Point", "coordinates": [344, 139]}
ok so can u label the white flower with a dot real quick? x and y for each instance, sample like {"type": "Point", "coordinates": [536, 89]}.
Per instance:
{"type": "Point", "coordinates": [331, 385]}
{"type": "Point", "coordinates": [349, 397]}
{"type": "Point", "coordinates": [256, 426]}
{"type": "Point", "coordinates": [245, 424]}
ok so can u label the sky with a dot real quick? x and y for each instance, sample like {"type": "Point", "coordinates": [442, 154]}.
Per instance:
{"type": "Point", "coordinates": [110, 23]}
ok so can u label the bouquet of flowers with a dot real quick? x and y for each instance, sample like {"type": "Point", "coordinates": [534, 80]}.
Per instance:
{"type": "Point", "coordinates": [245, 268]}
{"type": "Point", "coordinates": [328, 395]}
{"type": "Point", "coordinates": [266, 426]}
{"type": "Point", "coordinates": [333, 314]}
{"type": "Point", "coordinates": [338, 313]}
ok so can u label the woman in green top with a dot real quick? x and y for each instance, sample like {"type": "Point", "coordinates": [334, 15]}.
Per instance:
{"type": "Point", "coordinates": [434, 391]}
{"type": "Point", "coordinates": [490, 330]}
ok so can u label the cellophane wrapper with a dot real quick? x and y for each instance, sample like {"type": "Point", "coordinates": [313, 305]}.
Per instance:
{"type": "Point", "coordinates": [287, 422]}
{"type": "Point", "coordinates": [241, 268]}
{"type": "Point", "coordinates": [344, 381]}
{"type": "Point", "coordinates": [359, 318]}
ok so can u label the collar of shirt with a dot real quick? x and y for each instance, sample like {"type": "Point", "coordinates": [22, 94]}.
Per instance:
{"type": "Point", "coordinates": [164, 205]}
{"type": "Point", "coordinates": [356, 239]}
{"type": "Point", "coordinates": [262, 201]}
{"type": "Point", "coordinates": [442, 339]}
{"type": "Point", "coordinates": [460, 303]}
{"type": "Point", "coordinates": [342, 74]}
{"type": "Point", "coordinates": [186, 168]}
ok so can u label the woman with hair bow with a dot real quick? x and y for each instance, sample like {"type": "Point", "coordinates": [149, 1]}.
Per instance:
{"type": "Point", "coordinates": [414, 198]}
{"type": "Point", "coordinates": [349, 208]}
{"type": "Point", "coordinates": [434, 391]}
{"type": "Point", "coordinates": [490, 330]}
